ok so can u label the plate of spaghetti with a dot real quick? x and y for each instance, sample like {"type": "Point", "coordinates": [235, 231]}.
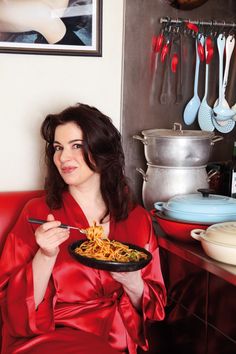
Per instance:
{"type": "Point", "coordinates": [100, 252]}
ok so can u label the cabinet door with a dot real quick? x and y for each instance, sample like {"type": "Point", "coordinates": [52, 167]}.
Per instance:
{"type": "Point", "coordinates": [222, 307]}
{"type": "Point", "coordinates": [186, 284]}
{"type": "Point", "coordinates": [182, 333]}
{"type": "Point", "coordinates": [217, 342]}
{"type": "Point", "coordinates": [184, 328]}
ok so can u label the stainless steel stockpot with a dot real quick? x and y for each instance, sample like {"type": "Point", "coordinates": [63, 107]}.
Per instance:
{"type": "Point", "coordinates": [160, 183]}
{"type": "Point", "coordinates": [176, 147]}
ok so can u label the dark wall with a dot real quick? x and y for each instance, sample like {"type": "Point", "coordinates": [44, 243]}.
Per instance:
{"type": "Point", "coordinates": [141, 91]}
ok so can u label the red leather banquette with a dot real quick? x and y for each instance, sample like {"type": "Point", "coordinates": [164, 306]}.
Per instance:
{"type": "Point", "coordinates": [11, 204]}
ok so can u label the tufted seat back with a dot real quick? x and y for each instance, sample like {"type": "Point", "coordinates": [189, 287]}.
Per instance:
{"type": "Point", "coordinates": [11, 204]}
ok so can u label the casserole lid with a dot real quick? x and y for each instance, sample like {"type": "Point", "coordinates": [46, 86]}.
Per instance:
{"type": "Point", "coordinates": [202, 202]}
{"type": "Point", "coordinates": [224, 232]}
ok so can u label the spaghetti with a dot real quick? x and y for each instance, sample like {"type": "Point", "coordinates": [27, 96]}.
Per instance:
{"type": "Point", "coordinates": [100, 247]}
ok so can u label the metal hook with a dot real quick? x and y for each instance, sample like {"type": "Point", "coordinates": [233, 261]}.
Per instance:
{"type": "Point", "coordinates": [214, 31]}
{"type": "Point", "coordinates": [201, 29]}
{"type": "Point", "coordinates": [231, 32]}
{"type": "Point", "coordinates": [167, 25]}
{"type": "Point", "coordinates": [223, 30]}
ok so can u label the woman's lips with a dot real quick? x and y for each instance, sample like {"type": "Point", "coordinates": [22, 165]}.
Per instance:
{"type": "Point", "coordinates": [67, 170]}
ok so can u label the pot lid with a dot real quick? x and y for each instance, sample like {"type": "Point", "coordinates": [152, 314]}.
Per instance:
{"type": "Point", "coordinates": [224, 232]}
{"type": "Point", "coordinates": [202, 202]}
{"type": "Point", "coordinates": [177, 132]}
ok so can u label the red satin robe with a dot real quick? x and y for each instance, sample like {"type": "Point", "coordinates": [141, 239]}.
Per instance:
{"type": "Point", "coordinates": [81, 304]}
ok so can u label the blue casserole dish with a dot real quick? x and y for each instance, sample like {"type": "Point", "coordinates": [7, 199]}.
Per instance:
{"type": "Point", "coordinates": [199, 207]}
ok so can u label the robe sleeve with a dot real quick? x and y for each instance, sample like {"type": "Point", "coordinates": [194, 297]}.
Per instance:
{"type": "Point", "coordinates": [153, 300]}
{"type": "Point", "coordinates": [16, 284]}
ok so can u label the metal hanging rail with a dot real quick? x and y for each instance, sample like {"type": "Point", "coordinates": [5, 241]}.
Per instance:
{"type": "Point", "coordinates": [197, 22]}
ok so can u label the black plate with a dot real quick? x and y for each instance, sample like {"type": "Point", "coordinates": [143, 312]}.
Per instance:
{"type": "Point", "coordinates": [110, 265]}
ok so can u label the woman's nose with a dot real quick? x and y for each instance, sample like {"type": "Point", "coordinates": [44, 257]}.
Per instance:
{"type": "Point", "coordinates": [65, 155]}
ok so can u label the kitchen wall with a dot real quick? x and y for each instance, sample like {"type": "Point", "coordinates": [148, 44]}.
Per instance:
{"type": "Point", "coordinates": [141, 99]}
{"type": "Point", "coordinates": [32, 86]}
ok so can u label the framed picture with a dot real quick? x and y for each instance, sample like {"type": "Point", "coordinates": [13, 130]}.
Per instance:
{"type": "Point", "coordinates": [57, 27]}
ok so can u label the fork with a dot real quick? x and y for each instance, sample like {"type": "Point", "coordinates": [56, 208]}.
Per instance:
{"type": "Point", "coordinates": [63, 226]}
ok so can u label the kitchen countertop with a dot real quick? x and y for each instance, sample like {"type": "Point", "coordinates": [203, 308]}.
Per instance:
{"type": "Point", "coordinates": [192, 252]}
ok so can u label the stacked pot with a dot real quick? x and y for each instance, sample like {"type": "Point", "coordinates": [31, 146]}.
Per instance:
{"type": "Point", "coordinates": [176, 162]}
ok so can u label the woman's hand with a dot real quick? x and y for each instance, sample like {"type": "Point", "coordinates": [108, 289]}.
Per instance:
{"type": "Point", "coordinates": [129, 280]}
{"type": "Point", "coordinates": [133, 285]}
{"type": "Point", "coordinates": [49, 236]}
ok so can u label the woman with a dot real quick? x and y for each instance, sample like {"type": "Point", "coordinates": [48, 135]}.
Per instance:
{"type": "Point", "coordinates": [53, 296]}
{"type": "Point", "coordinates": [42, 16]}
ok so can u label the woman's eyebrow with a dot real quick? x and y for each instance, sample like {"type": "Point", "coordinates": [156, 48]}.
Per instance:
{"type": "Point", "coordinates": [70, 142]}
{"type": "Point", "coordinates": [75, 140]}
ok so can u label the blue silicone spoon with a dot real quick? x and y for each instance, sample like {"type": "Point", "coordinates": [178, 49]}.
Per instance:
{"type": "Point", "coordinates": [192, 107]}
{"type": "Point", "coordinates": [205, 111]}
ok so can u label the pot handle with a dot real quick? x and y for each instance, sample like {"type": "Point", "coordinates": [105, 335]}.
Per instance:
{"type": "Point", "coordinates": [152, 212]}
{"type": "Point", "coordinates": [197, 233]}
{"type": "Point", "coordinates": [138, 137]}
{"type": "Point", "coordinates": [211, 174]}
{"type": "Point", "coordinates": [159, 206]}
{"type": "Point", "coordinates": [140, 170]}
{"type": "Point", "coordinates": [216, 138]}
{"type": "Point", "coordinates": [177, 126]}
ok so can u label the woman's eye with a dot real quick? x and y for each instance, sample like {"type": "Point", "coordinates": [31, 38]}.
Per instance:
{"type": "Point", "coordinates": [57, 148]}
{"type": "Point", "coordinates": [77, 146]}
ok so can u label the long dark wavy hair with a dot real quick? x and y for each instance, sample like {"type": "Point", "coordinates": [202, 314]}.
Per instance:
{"type": "Point", "coordinates": [101, 144]}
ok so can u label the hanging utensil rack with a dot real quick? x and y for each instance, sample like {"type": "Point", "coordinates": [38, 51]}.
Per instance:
{"type": "Point", "coordinates": [197, 22]}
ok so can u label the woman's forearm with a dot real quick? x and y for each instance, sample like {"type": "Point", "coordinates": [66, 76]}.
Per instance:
{"type": "Point", "coordinates": [42, 269]}
{"type": "Point", "coordinates": [133, 285]}
{"type": "Point", "coordinates": [135, 294]}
